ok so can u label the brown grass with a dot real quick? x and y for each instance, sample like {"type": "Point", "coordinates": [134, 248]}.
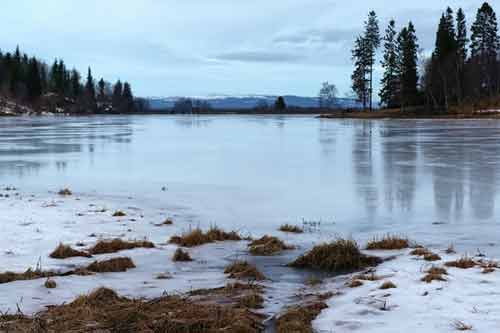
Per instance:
{"type": "Point", "coordinates": [387, 285]}
{"type": "Point", "coordinates": [268, 246]}
{"type": "Point", "coordinates": [197, 237]}
{"type": "Point", "coordinates": [251, 301]}
{"type": "Point", "coordinates": [116, 245]}
{"type": "Point", "coordinates": [388, 242]}
{"type": "Point", "coordinates": [119, 213]}
{"type": "Point", "coordinates": [50, 284]}
{"type": "Point", "coordinates": [243, 270]}
{"type": "Point", "coordinates": [112, 265]}
{"type": "Point", "coordinates": [29, 274]}
{"type": "Point", "coordinates": [450, 249]}
{"type": "Point", "coordinates": [463, 263]}
{"type": "Point", "coordinates": [168, 221]}
{"type": "Point", "coordinates": [65, 192]}
{"type": "Point", "coordinates": [291, 228]}
{"type": "Point", "coordinates": [461, 326]}
{"type": "Point", "coordinates": [181, 255]}
{"type": "Point", "coordinates": [432, 257]}
{"type": "Point", "coordinates": [368, 277]}
{"type": "Point", "coordinates": [355, 283]}
{"type": "Point", "coordinates": [66, 251]}
{"type": "Point", "coordinates": [435, 273]}
{"type": "Point", "coordinates": [420, 251]}
{"type": "Point", "coordinates": [298, 319]}
{"type": "Point", "coordinates": [339, 256]}
{"type": "Point", "coordinates": [104, 311]}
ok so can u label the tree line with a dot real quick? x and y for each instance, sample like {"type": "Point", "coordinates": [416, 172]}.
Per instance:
{"type": "Point", "coordinates": [31, 81]}
{"type": "Point", "coordinates": [460, 71]}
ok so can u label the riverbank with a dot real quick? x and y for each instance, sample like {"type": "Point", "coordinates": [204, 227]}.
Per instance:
{"type": "Point", "coordinates": [398, 114]}
{"type": "Point", "coordinates": [34, 224]}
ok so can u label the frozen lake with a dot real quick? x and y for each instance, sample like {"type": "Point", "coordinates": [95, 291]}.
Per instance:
{"type": "Point", "coordinates": [435, 181]}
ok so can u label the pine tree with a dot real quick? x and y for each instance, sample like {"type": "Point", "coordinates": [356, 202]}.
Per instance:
{"type": "Point", "coordinates": [485, 45]}
{"type": "Point", "coordinates": [461, 44]}
{"type": "Point", "coordinates": [127, 98]}
{"type": "Point", "coordinates": [372, 40]}
{"type": "Point", "coordinates": [408, 54]}
{"type": "Point", "coordinates": [117, 96]}
{"type": "Point", "coordinates": [90, 85]}
{"type": "Point", "coordinates": [101, 97]}
{"type": "Point", "coordinates": [280, 104]}
{"type": "Point", "coordinates": [34, 84]}
{"type": "Point", "coordinates": [76, 87]}
{"type": "Point", "coordinates": [361, 68]}
{"type": "Point", "coordinates": [390, 83]}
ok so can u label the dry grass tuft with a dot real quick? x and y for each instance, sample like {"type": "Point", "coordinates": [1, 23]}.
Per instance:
{"type": "Point", "coordinates": [65, 192]}
{"type": "Point", "coordinates": [251, 301]}
{"type": "Point", "coordinates": [387, 285]}
{"type": "Point", "coordinates": [450, 249]}
{"type": "Point", "coordinates": [243, 270]}
{"type": "Point", "coordinates": [461, 326]}
{"type": "Point", "coordinates": [105, 311]}
{"type": "Point", "coordinates": [435, 273]}
{"type": "Point", "coordinates": [112, 265]}
{"type": "Point", "coordinates": [116, 245]}
{"type": "Point", "coordinates": [432, 257]}
{"type": "Point", "coordinates": [339, 256]}
{"type": "Point", "coordinates": [368, 277]}
{"type": "Point", "coordinates": [181, 255]}
{"type": "Point", "coordinates": [168, 221]}
{"type": "Point", "coordinates": [197, 237]}
{"type": "Point", "coordinates": [268, 246]}
{"type": "Point", "coordinates": [488, 270]}
{"type": "Point", "coordinates": [30, 274]}
{"type": "Point", "coordinates": [420, 251]}
{"type": "Point", "coordinates": [119, 213]}
{"type": "Point", "coordinates": [50, 284]}
{"type": "Point", "coordinates": [298, 319]}
{"type": "Point", "coordinates": [355, 283]}
{"type": "Point", "coordinates": [463, 263]}
{"type": "Point", "coordinates": [291, 228]}
{"type": "Point", "coordinates": [66, 251]}
{"type": "Point", "coordinates": [388, 242]}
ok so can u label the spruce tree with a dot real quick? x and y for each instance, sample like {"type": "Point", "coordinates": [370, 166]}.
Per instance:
{"type": "Point", "coordinates": [76, 87]}
{"type": "Point", "coordinates": [280, 104]}
{"type": "Point", "coordinates": [127, 98]}
{"type": "Point", "coordinates": [408, 54]}
{"type": "Point", "coordinates": [101, 94]}
{"type": "Point", "coordinates": [90, 85]}
{"type": "Point", "coordinates": [34, 84]}
{"type": "Point", "coordinates": [461, 47]}
{"type": "Point", "coordinates": [390, 83]}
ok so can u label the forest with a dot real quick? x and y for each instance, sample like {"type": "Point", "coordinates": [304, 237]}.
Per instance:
{"type": "Point", "coordinates": [462, 72]}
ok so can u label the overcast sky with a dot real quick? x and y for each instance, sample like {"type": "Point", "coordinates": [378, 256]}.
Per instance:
{"type": "Point", "coordinates": [202, 47]}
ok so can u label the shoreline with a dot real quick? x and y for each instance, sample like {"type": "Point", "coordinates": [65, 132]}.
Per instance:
{"type": "Point", "coordinates": [461, 297]}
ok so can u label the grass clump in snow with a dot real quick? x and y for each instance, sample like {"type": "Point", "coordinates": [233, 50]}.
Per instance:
{"type": "Point", "coordinates": [420, 252]}
{"type": "Point", "coordinates": [388, 242]}
{"type": "Point", "coordinates": [251, 301]}
{"type": "Point", "coordinates": [121, 264]}
{"type": "Point", "coordinates": [197, 237]}
{"type": "Point", "coordinates": [244, 270]}
{"type": "Point", "coordinates": [50, 284]}
{"type": "Point", "coordinates": [181, 255]}
{"type": "Point", "coordinates": [432, 257]}
{"type": "Point", "coordinates": [450, 249]}
{"type": "Point", "coordinates": [116, 245]}
{"type": "Point", "coordinates": [299, 319]}
{"type": "Point", "coordinates": [461, 326]}
{"type": "Point", "coordinates": [368, 277]}
{"type": "Point", "coordinates": [434, 273]}
{"type": "Point", "coordinates": [65, 251]}
{"type": "Point", "coordinates": [355, 283]}
{"type": "Point", "coordinates": [268, 246]}
{"type": "Point", "coordinates": [29, 274]}
{"type": "Point", "coordinates": [291, 228]}
{"type": "Point", "coordinates": [339, 256]}
{"type": "Point", "coordinates": [105, 311]}
{"type": "Point", "coordinates": [387, 285]}
{"type": "Point", "coordinates": [463, 263]}
{"type": "Point", "coordinates": [119, 213]}
{"type": "Point", "coordinates": [65, 192]}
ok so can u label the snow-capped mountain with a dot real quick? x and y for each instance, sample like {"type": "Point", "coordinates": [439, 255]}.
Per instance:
{"type": "Point", "coordinates": [248, 102]}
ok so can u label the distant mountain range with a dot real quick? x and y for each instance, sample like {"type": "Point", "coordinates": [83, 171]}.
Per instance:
{"type": "Point", "coordinates": [248, 102]}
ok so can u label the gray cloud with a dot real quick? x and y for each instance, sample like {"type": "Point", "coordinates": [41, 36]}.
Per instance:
{"type": "Point", "coordinates": [326, 36]}
{"type": "Point", "coordinates": [260, 56]}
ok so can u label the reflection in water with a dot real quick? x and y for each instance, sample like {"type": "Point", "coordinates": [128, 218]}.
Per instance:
{"type": "Point", "coordinates": [363, 162]}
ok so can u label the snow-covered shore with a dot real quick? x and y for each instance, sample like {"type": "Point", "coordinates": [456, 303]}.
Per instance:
{"type": "Point", "coordinates": [33, 225]}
